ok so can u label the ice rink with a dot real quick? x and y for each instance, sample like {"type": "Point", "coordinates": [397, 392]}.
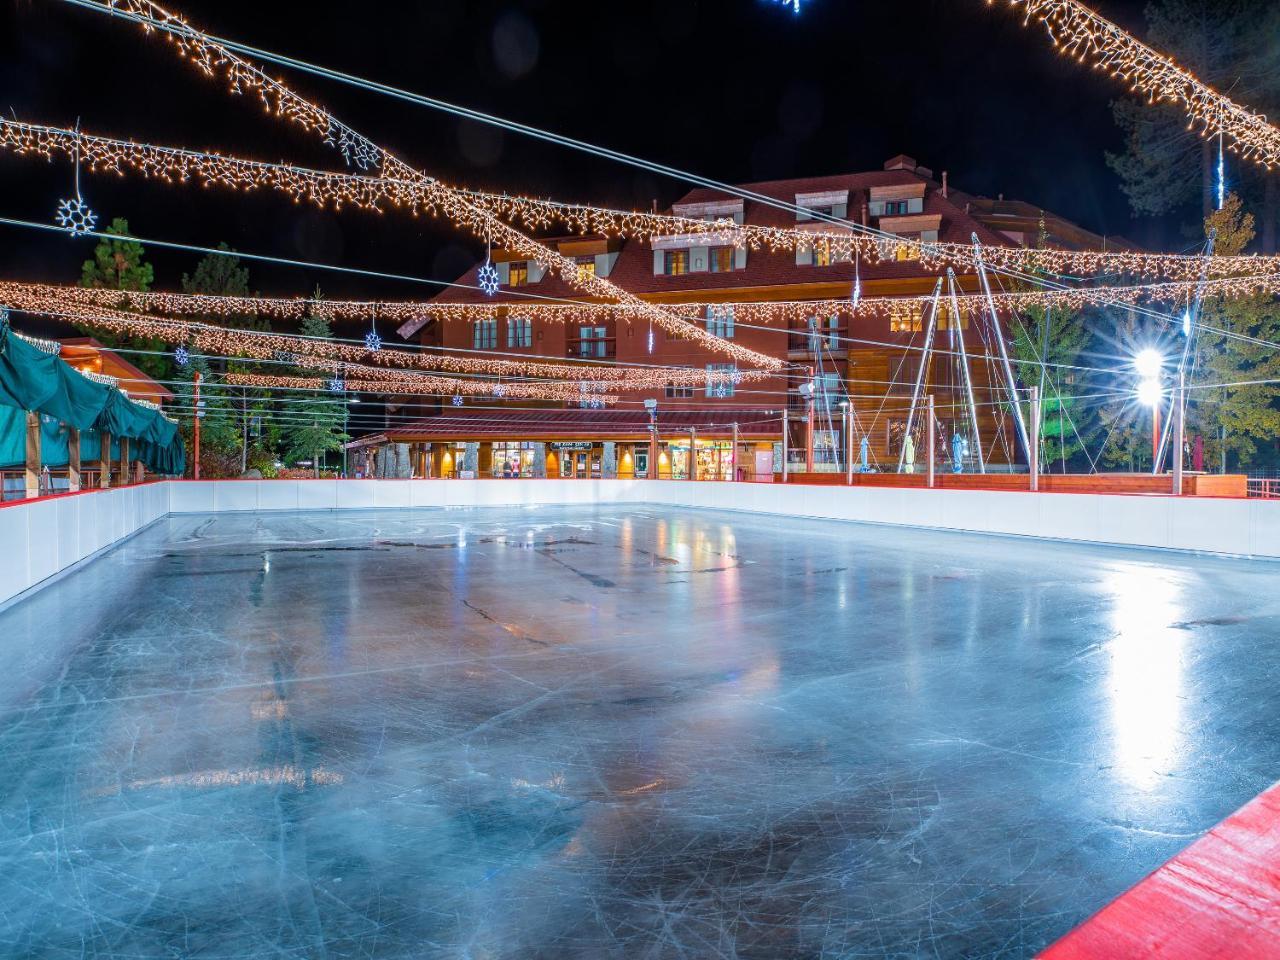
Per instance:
{"type": "Point", "coordinates": [625, 731]}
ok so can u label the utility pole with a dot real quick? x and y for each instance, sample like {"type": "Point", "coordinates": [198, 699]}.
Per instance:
{"type": "Point", "coordinates": [195, 428]}
{"type": "Point", "coordinates": [1179, 428]}
{"type": "Point", "coordinates": [1035, 438]}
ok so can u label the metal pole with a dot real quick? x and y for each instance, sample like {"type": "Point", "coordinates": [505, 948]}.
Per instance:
{"type": "Point", "coordinates": [733, 456]}
{"type": "Point", "coordinates": [195, 429]}
{"type": "Point", "coordinates": [1035, 438]}
{"type": "Point", "coordinates": [786, 443]}
{"type": "Point", "coordinates": [964, 368]}
{"type": "Point", "coordinates": [848, 446]}
{"type": "Point", "coordinates": [924, 367]}
{"type": "Point", "coordinates": [808, 428]}
{"type": "Point", "coordinates": [1155, 438]}
{"type": "Point", "coordinates": [998, 336]}
{"type": "Point", "coordinates": [652, 473]}
{"type": "Point", "coordinates": [931, 428]}
{"type": "Point", "coordinates": [1179, 429]}
{"type": "Point", "coordinates": [693, 455]}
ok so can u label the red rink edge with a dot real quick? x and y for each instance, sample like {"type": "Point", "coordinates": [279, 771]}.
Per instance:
{"type": "Point", "coordinates": [1217, 900]}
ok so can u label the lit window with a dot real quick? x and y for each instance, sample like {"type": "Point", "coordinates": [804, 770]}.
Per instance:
{"type": "Point", "coordinates": [519, 332]}
{"type": "Point", "coordinates": [721, 259]}
{"type": "Point", "coordinates": [484, 335]}
{"type": "Point", "coordinates": [519, 274]}
{"type": "Point", "coordinates": [826, 211]}
{"type": "Point", "coordinates": [822, 254]}
{"type": "Point", "coordinates": [586, 267]}
{"type": "Point", "coordinates": [675, 263]}
{"type": "Point", "coordinates": [905, 251]}
{"type": "Point", "coordinates": [678, 393]}
{"type": "Point", "coordinates": [905, 318]}
{"type": "Point", "coordinates": [720, 379]}
{"type": "Point", "coordinates": [593, 342]}
{"type": "Point", "coordinates": [720, 321]}
{"type": "Point", "coordinates": [945, 321]}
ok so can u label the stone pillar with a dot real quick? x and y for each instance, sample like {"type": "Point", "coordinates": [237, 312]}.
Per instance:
{"type": "Point", "coordinates": [471, 458]}
{"type": "Point", "coordinates": [540, 461]}
{"type": "Point", "coordinates": [609, 462]}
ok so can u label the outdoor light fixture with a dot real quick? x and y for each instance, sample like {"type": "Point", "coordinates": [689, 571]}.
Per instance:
{"type": "Point", "coordinates": [1150, 392]}
{"type": "Point", "coordinates": [1148, 363]}
{"type": "Point", "coordinates": [1186, 323]}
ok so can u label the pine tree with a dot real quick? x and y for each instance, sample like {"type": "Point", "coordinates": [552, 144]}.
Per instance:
{"type": "Point", "coordinates": [120, 265]}
{"type": "Point", "coordinates": [1246, 416]}
{"type": "Point", "coordinates": [315, 425]}
{"type": "Point", "coordinates": [1051, 344]}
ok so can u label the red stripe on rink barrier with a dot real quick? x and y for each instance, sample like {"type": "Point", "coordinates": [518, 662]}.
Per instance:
{"type": "Point", "coordinates": [1217, 900]}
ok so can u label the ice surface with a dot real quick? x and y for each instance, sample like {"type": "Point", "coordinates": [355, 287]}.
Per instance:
{"type": "Point", "coordinates": [623, 732]}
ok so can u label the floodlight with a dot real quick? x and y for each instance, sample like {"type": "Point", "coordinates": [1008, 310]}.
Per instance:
{"type": "Point", "coordinates": [1148, 363]}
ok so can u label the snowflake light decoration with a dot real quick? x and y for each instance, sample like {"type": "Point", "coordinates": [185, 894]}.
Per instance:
{"type": "Point", "coordinates": [337, 385]}
{"type": "Point", "coordinates": [456, 401]}
{"type": "Point", "coordinates": [499, 390]}
{"type": "Point", "coordinates": [372, 342]}
{"type": "Point", "coordinates": [181, 356]}
{"type": "Point", "coordinates": [488, 279]}
{"type": "Point", "coordinates": [75, 217]}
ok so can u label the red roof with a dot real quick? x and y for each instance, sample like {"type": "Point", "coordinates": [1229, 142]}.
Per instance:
{"type": "Point", "coordinates": [500, 423]}
{"type": "Point", "coordinates": [634, 269]}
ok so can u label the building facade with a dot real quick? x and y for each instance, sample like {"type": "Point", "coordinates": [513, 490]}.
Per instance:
{"type": "Point", "coordinates": [864, 371]}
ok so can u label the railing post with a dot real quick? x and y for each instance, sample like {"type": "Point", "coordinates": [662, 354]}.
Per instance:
{"type": "Point", "coordinates": [32, 472]}
{"type": "Point", "coordinates": [786, 443]}
{"type": "Point", "coordinates": [930, 452]}
{"type": "Point", "coordinates": [73, 459]}
{"type": "Point", "coordinates": [733, 457]}
{"type": "Point", "coordinates": [1034, 447]}
{"type": "Point", "coordinates": [848, 447]}
{"type": "Point", "coordinates": [1179, 428]}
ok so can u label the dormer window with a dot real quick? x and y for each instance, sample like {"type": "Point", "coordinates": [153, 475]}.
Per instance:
{"type": "Point", "coordinates": [720, 259]}
{"type": "Point", "coordinates": [896, 208]}
{"type": "Point", "coordinates": [519, 274]}
{"type": "Point", "coordinates": [675, 263]}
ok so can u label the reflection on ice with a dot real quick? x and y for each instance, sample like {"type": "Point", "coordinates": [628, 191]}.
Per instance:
{"type": "Point", "coordinates": [1145, 684]}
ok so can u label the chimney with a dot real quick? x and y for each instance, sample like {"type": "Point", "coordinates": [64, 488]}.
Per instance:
{"type": "Point", "coordinates": [944, 184]}
{"type": "Point", "coordinates": [655, 204]}
{"type": "Point", "coordinates": [1000, 197]}
{"type": "Point", "coordinates": [864, 213]}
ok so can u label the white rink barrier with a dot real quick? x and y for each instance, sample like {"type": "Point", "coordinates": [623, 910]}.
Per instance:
{"type": "Point", "coordinates": [43, 538]}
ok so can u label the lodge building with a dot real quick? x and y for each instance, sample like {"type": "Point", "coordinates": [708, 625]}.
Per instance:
{"type": "Point", "coordinates": [865, 365]}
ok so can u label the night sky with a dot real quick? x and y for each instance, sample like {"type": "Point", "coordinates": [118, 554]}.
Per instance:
{"type": "Point", "coordinates": [738, 90]}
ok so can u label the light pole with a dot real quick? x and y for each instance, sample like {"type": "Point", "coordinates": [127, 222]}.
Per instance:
{"type": "Point", "coordinates": [1149, 365]}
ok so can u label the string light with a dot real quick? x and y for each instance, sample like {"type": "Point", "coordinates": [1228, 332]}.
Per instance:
{"type": "Point", "coordinates": [175, 165]}
{"type": "Point", "coordinates": [420, 385]}
{"type": "Point", "coordinates": [1079, 32]}
{"type": "Point", "coordinates": [241, 76]}
{"type": "Point", "coordinates": [52, 300]}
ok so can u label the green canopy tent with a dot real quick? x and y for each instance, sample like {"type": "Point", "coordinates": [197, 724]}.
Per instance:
{"type": "Point", "coordinates": [36, 380]}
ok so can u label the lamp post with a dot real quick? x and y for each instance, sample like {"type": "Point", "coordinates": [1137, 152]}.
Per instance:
{"type": "Point", "coordinates": [1149, 365]}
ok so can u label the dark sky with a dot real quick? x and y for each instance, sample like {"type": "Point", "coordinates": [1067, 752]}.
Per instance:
{"type": "Point", "coordinates": [737, 90]}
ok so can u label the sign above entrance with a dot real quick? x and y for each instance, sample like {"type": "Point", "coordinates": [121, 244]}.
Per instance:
{"type": "Point", "coordinates": [571, 445]}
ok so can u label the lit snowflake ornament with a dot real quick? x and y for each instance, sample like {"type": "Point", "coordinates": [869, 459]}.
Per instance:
{"type": "Point", "coordinates": [372, 342]}
{"type": "Point", "coordinates": [456, 401]}
{"type": "Point", "coordinates": [487, 278]}
{"type": "Point", "coordinates": [181, 356]}
{"type": "Point", "coordinates": [499, 390]}
{"type": "Point", "coordinates": [75, 217]}
{"type": "Point", "coordinates": [337, 385]}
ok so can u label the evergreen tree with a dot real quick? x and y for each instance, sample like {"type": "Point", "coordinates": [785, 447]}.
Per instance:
{"type": "Point", "coordinates": [1167, 168]}
{"type": "Point", "coordinates": [120, 265]}
{"type": "Point", "coordinates": [314, 426]}
{"type": "Point", "coordinates": [1242, 417]}
{"type": "Point", "coordinates": [1052, 343]}
{"type": "Point", "coordinates": [221, 274]}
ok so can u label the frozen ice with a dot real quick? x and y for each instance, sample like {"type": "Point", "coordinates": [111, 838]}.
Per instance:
{"type": "Point", "coordinates": [613, 732]}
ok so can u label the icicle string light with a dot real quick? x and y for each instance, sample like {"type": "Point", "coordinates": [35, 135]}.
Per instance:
{"type": "Point", "coordinates": [243, 77]}
{"type": "Point", "coordinates": [1078, 32]}
{"type": "Point", "coordinates": [439, 386]}
{"type": "Point", "coordinates": [412, 314]}
{"type": "Point", "coordinates": [174, 165]}
{"type": "Point", "coordinates": [387, 364]}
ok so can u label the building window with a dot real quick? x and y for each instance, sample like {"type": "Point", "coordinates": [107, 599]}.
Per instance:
{"type": "Point", "coordinates": [822, 253]}
{"type": "Point", "coordinates": [675, 263]}
{"type": "Point", "coordinates": [905, 318]}
{"type": "Point", "coordinates": [593, 341]}
{"type": "Point", "coordinates": [519, 332]}
{"type": "Point", "coordinates": [827, 211]}
{"type": "Point", "coordinates": [896, 208]}
{"type": "Point", "coordinates": [678, 393]}
{"type": "Point", "coordinates": [720, 259]}
{"type": "Point", "coordinates": [586, 267]}
{"type": "Point", "coordinates": [944, 318]}
{"type": "Point", "coordinates": [484, 335]}
{"type": "Point", "coordinates": [717, 384]}
{"type": "Point", "coordinates": [519, 274]}
{"type": "Point", "coordinates": [720, 321]}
